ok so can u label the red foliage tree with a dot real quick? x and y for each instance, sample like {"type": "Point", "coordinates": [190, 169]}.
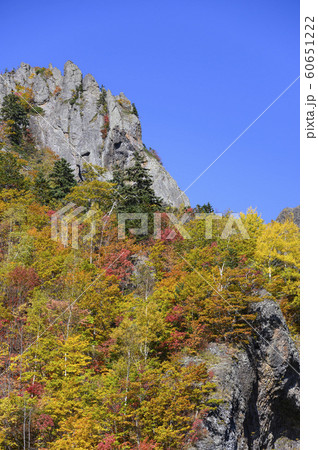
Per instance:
{"type": "Point", "coordinates": [21, 281]}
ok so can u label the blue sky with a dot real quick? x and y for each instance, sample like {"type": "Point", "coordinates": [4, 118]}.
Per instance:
{"type": "Point", "coordinates": [199, 73]}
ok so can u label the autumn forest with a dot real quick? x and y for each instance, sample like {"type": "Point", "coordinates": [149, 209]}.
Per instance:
{"type": "Point", "coordinates": [103, 343]}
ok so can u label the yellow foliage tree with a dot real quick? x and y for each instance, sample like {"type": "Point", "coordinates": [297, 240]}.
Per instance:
{"type": "Point", "coordinates": [278, 256]}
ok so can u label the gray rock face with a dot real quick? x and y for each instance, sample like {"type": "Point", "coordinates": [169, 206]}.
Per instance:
{"type": "Point", "coordinates": [260, 385]}
{"type": "Point", "coordinates": [80, 128]}
{"type": "Point", "coordinates": [294, 213]}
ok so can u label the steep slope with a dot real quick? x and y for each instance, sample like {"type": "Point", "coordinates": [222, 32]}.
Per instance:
{"type": "Point", "coordinates": [81, 123]}
{"type": "Point", "coordinates": [260, 388]}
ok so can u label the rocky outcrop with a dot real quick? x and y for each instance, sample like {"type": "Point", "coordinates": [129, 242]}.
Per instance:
{"type": "Point", "coordinates": [260, 389]}
{"type": "Point", "coordinates": [80, 124]}
{"type": "Point", "coordinates": [287, 213]}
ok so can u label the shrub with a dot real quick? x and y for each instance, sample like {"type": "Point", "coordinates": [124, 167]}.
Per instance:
{"type": "Point", "coordinates": [153, 153]}
{"type": "Point", "coordinates": [43, 71]}
{"type": "Point", "coordinates": [39, 70]}
{"type": "Point", "coordinates": [76, 93]}
{"type": "Point", "coordinates": [124, 103]}
{"type": "Point", "coordinates": [105, 127]}
{"type": "Point", "coordinates": [57, 90]}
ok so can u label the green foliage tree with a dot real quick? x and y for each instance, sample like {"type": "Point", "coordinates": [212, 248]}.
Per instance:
{"type": "Point", "coordinates": [134, 110]}
{"type": "Point", "coordinates": [14, 113]}
{"type": "Point", "coordinates": [206, 208]}
{"type": "Point", "coordinates": [62, 179]}
{"type": "Point", "coordinates": [42, 189]}
{"type": "Point", "coordinates": [134, 192]}
{"type": "Point", "coordinates": [88, 194]}
{"type": "Point", "coordinates": [134, 187]}
{"type": "Point", "coordinates": [92, 191]}
{"type": "Point", "coordinates": [119, 182]}
{"type": "Point", "coordinates": [10, 176]}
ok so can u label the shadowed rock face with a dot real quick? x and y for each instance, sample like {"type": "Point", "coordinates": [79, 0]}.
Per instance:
{"type": "Point", "coordinates": [73, 121]}
{"type": "Point", "coordinates": [260, 386]}
{"type": "Point", "coordinates": [294, 213]}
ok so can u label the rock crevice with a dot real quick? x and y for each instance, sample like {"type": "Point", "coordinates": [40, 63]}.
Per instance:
{"type": "Point", "coordinates": [260, 388]}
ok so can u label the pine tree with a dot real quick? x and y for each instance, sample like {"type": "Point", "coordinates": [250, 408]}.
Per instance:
{"type": "Point", "coordinates": [134, 192]}
{"type": "Point", "coordinates": [134, 188]}
{"type": "Point", "coordinates": [62, 178]}
{"type": "Point", "coordinates": [41, 188]}
{"type": "Point", "coordinates": [134, 110]}
{"type": "Point", "coordinates": [119, 182]}
{"type": "Point", "coordinates": [13, 112]}
{"type": "Point", "coordinates": [206, 208]}
{"type": "Point", "coordinates": [10, 176]}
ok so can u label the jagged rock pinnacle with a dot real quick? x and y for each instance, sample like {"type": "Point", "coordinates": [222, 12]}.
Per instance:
{"type": "Point", "coordinates": [79, 124]}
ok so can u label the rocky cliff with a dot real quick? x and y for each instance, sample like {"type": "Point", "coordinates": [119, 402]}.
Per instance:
{"type": "Point", "coordinates": [259, 386]}
{"type": "Point", "coordinates": [80, 122]}
{"type": "Point", "coordinates": [293, 213]}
